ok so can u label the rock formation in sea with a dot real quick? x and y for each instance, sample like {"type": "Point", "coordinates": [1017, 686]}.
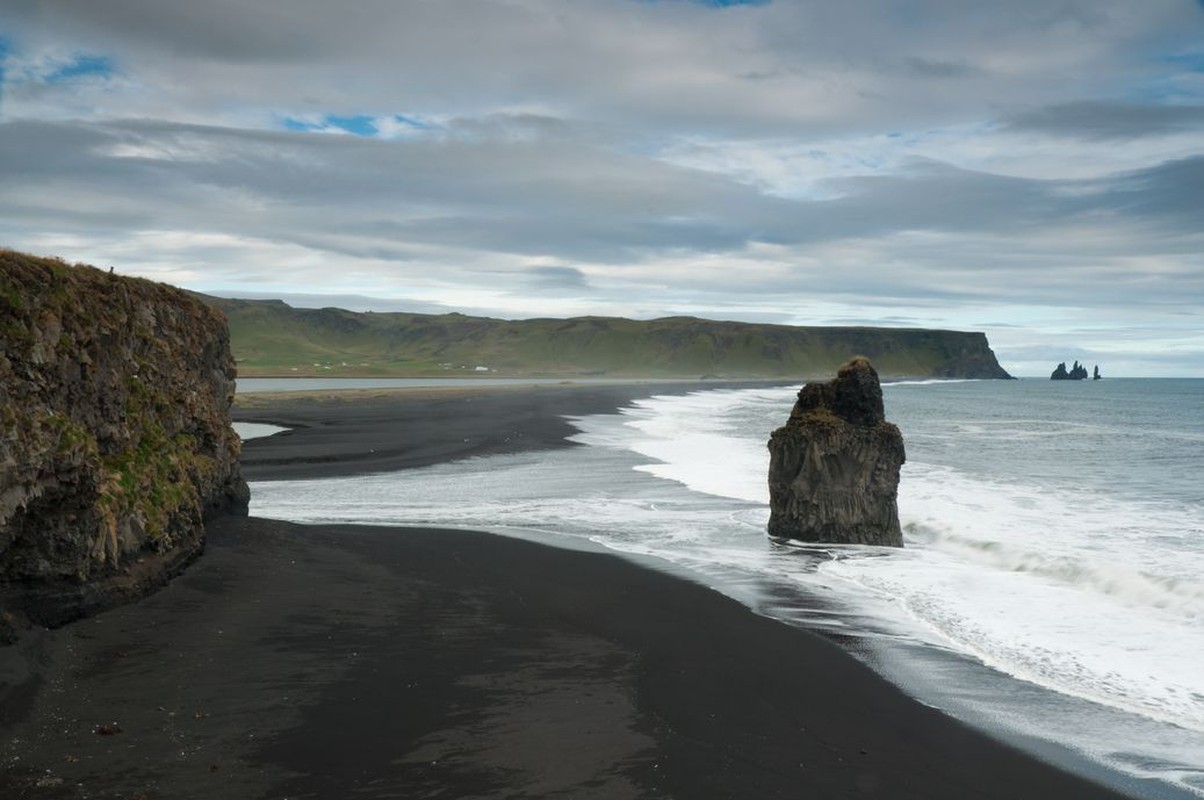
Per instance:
{"type": "Point", "coordinates": [834, 466]}
{"type": "Point", "coordinates": [1077, 373]}
{"type": "Point", "coordinates": [115, 437]}
{"type": "Point", "coordinates": [1096, 376]}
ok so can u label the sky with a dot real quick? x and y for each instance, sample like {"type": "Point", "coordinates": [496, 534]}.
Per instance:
{"type": "Point", "coordinates": [1031, 169]}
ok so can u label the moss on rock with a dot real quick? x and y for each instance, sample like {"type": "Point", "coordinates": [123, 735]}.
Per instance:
{"type": "Point", "coordinates": [115, 436]}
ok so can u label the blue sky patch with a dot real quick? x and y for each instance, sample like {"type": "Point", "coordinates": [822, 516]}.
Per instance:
{"type": "Point", "coordinates": [359, 124]}
{"type": "Point", "coordinates": [724, 3]}
{"type": "Point", "coordinates": [84, 66]}
{"type": "Point", "coordinates": [1193, 62]}
{"type": "Point", "coordinates": [298, 125]}
{"type": "Point", "coordinates": [3, 58]}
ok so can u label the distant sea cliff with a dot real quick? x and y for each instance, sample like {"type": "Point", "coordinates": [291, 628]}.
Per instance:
{"type": "Point", "coordinates": [270, 337]}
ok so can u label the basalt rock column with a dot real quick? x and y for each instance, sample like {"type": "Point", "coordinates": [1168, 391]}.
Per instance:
{"type": "Point", "coordinates": [834, 465]}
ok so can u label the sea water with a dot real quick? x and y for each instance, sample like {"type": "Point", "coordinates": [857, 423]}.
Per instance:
{"type": "Point", "coordinates": [1052, 585]}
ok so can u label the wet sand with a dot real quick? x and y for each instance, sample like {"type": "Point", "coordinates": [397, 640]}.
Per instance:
{"type": "Point", "coordinates": [374, 430]}
{"type": "Point", "coordinates": [342, 661]}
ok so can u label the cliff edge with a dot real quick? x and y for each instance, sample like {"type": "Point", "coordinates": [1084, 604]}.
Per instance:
{"type": "Point", "coordinates": [115, 437]}
{"type": "Point", "coordinates": [834, 466]}
{"type": "Point", "coordinates": [270, 337]}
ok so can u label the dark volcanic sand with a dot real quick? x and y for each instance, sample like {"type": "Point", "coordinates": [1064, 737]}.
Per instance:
{"type": "Point", "coordinates": [359, 431]}
{"type": "Point", "coordinates": [339, 662]}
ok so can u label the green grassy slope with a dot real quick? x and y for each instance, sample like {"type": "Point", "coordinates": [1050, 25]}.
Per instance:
{"type": "Point", "coordinates": [272, 338]}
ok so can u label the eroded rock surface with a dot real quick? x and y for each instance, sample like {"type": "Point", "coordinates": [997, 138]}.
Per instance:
{"type": "Point", "coordinates": [834, 466]}
{"type": "Point", "coordinates": [115, 436]}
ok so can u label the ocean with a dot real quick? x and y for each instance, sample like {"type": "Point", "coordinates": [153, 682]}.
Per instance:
{"type": "Point", "coordinates": [1051, 589]}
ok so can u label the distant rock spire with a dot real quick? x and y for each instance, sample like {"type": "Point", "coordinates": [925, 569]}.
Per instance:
{"type": "Point", "coordinates": [1077, 373]}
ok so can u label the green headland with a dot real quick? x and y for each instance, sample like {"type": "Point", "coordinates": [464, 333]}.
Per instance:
{"type": "Point", "coordinates": [270, 337]}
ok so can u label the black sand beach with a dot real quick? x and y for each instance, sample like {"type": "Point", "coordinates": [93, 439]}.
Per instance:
{"type": "Point", "coordinates": [375, 430]}
{"type": "Point", "coordinates": [338, 661]}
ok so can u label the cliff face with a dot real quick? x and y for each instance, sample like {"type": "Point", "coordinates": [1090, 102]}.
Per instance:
{"type": "Point", "coordinates": [115, 437]}
{"type": "Point", "coordinates": [970, 356]}
{"type": "Point", "coordinates": [834, 466]}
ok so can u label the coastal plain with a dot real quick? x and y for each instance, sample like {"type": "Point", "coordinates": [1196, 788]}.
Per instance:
{"type": "Point", "coordinates": [340, 661]}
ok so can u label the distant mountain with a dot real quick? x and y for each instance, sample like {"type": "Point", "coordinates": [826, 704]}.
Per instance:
{"type": "Point", "coordinates": [270, 337]}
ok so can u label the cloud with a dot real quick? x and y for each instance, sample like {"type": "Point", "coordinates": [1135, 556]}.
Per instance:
{"type": "Point", "coordinates": [351, 302]}
{"type": "Point", "coordinates": [556, 279]}
{"type": "Point", "coordinates": [927, 233]}
{"type": "Point", "coordinates": [928, 68]}
{"type": "Point", "coordinates": [779, 68]}
{"type": "Point", "coordinates": [942, 165]}
{"type": "Point", "coordinates": [1108, 121]}
{"type": "Point", "coordinates": [225, 30]}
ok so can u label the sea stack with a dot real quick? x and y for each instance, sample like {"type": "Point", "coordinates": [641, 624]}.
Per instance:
{"type": "Point", "coordinates": [115, 437]}
{"type": "Point", "coordinates": [1077, 373]}
{"type": "Point", "coordinates": [834, 465]}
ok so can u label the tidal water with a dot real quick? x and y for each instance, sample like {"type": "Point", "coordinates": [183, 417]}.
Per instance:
{"type": "Point", "coordinates": [1052, 585]}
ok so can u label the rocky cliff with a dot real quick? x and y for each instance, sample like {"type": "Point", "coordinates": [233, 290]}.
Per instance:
{"type": "Point", "coordinates": [834, 466]}
{"type": "Point", "coordinates": [115, 437]}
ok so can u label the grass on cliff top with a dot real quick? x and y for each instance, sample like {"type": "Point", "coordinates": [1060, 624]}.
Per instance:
{"type": "Point", "coordinates": [271, 338]}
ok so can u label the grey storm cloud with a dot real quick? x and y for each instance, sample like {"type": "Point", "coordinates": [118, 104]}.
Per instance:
{"type": "Point", "coordinates": [524, 197]}
{"type": "Point", "coordinates": [219, 29]}
{"type": "Point", "coordinates": [557, 278]}
{"type": "Point", "coordinates": [530, 197]}
{"type": "Point", "coordinates": [1168, 194]}
{"type": "Point", "coordinates": [1109, 121]}
{"type": "Point", "coordinates": [782, 68]}
{"type": "Point", "coordinates": [939, 69]}
{"type": "Point", "coordinates": [563, 199]}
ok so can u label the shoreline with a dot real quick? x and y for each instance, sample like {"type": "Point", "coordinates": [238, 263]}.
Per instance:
{"type": "Point", "coordinates": [360, 431]}
{"type": "Point", "coordinates": [317, 661]}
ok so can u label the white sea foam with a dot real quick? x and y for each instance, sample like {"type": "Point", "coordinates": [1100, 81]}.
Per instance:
{"type": "Point", "coordinates": [1089, 589]}
{"type": "Point", "coordinates": [717, 457]}
{"type": "Point", "coordinates": [255, 430]}
{"type": "Point", "coordinates": [933, 382]}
